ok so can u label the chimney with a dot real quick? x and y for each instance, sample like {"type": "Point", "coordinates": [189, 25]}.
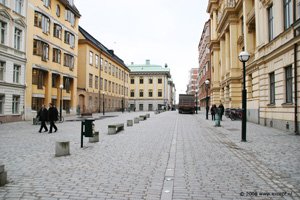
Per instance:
{"type": "Point", "coordinates": [147, 62]}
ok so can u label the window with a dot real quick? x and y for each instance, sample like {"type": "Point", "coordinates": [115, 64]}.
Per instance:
{"type": "Point", "coordinates": [15, 104]}
{"type": "Point", "coordinates": [18, 6]}
{"type": "Point", "coordinates": [56, 55]}
{"type": "Point", "coordinates": [116, 72]}
{"type": "Point", "coordinates": [113, 87]}
{"type": "Point", "coordinates": [2, 32]}
{"type": "Point", "coordinates": [69, 61]}
{"type": "Point", "coordinates": [141, 93]}
{"type": "Point", "coordinates": [91, 57]}
{"type": "Point", "coordinates": [289, 84]}
{"type": "Point", "coordinates": [271, 25]}
{"type": "Point", "coordinates": [109, 69]}
{"type": "Point", "coordinates": [47, 3]}
{"type": "Point", "coordinates": [16, 75]}
{"type": "Point", "coordinates": [159, 80]}
{"type": "Point", "coordinates": [141, 80]}
{"type": "Point", "coordinates": [150, 80]}
{"type": "Point", "coordinates": [90, 101]}
{"type": "Point", "coordinates": [150, 93]}
{"type": "Point", "coordinates": [105, 85]}
{"type": "Point", "coordinates": [3, 2]}
{"type": "Point", "coordinates": [96, 82]}
{"type": "Point", "coordinates": [96, 102]}
{"type": "Point", "coordinates": [91, 80]}
{"type": "Point", "coordinates": [55, 78]}
{"type": "Point", "coordinates": [131, 80]}
{"type": "Point", "coordinates": [57, 31]}
{"type": "Point", "coordinates": [70, 17]}
{"type": "Point", "coordinates": [272, 88]}
{"type": "Point", "coordinates": [101, 83]}
{"type": "Point", "coordinates": [41, 49]}
{"type": "Point", "coordinates": [69, 39]}
{"type": "Point", "coordinates": [117, 88]}
{"type": "Point", "coordinates": [37, 103]}
{"type": "Point", "coordinates": [159, 94]}
{"type": "Point", "coordinates": [131, 93]}
{"type": "Point", "coordinates": [38, 78]}
{"type": "Point", "coordinates": [42, 21]}
{"type": "Point", "coordinates": [2, 104]}
{"type": "Point", "coordinates": [106, 66]}
{"type": "Point", "coordinates": [141, 107]}
{"type": "Point", "coordinates": [119, 73]}
{"type": "Point", "coordinates": [109, 86]}
{"type": "Point", "coordinates": [101, 63]}
{"type": "Point", "coordinates": [287, 13]}
{"type": "Point", "coordinates": [66, 82]}
{"type": "Point", "coordinates": [57, 11]}
{"type": "Point", "coordinates": [97, 61]}
{"type": "Point", "coordinates": [113, 70]}
{"type": "Point", "coordinates": [2, 70]}
{"type": "Point", "coordinates": [18, 40]}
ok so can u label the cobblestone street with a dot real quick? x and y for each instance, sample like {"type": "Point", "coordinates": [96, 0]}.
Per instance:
{"type": "Point", "coordinates": [167, 156]}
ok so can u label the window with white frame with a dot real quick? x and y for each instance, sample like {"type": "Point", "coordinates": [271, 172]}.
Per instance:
{"type": "Point", "coordinates": [57, 11]}
{"type": "Point", "coordinates": [141, 93]}
{"type": "Point", "coordinates": [105, 66]}
{"type": "Point", "coordinates": [18, 39]}
{"type": "Point", "coordinates": [67, 84]}
{"type": "Point", "coordinates": [3, 2]}
{"type": "Point", "coordinates": [2, 70]}
{"type": "Point", "coordinates": [70, 17]}
{"type": "Point", "coordinates": [91, 80]}
{"type": "Point", "coordinates": [38, 78]}
{"type": "Point", "coordinates": [56, 55]}
{"type": "Point", "coordinates": [96, 61]}
{"type": "Point", "coordinates": [3, 27]}
{"type": "Point", "coordinates": [159, 93]}
{"type": "Point", "coordinates": [150, 80]}
{"type": "Point", "coordinates": [15, 104]}
{"type": "Point", "coordinates": [113, 70]}
{"type": "Point", "coordinates": [47, 3]}
{"type": "Point", "coordinates": [96, 82]}
{"type": "Point", "coordinates": [69, 61]}
{"type": "Point", "coordinates": [42, 21]}
{"type": "Point", "coordinates": [45, 49]}
{"type": "Point", "coordinates": [101, 63]}
{"type": "Point", "coordinates": [57, 31]}
{"type": "Point", "coordinates": [69, 39]}
{"type": "Point", "coordinates": [117, 72]}
{"type": "Point", "coordinates": [289, 84]}
{"type": "Point", "coordinates": [109, 68]}
{"type": "Point", "coordinates": [287, 13]}
{"type": "Point", "coordinates": [41, 49]}
{"type": "Point", "coordinates": [91, 57]}
{"type": "Point", "coordinates": [101, 83]}
{"type": "Point", "coordinates": [271, 23]}
{"type": "Point", "coordinates": [18, 6]}
{"type": "Point", "coordinates": [2, 97]}
{"type": "Point", "coordinates": [272, 88]}
{"type": "Point", "coordinates": [16, 73]}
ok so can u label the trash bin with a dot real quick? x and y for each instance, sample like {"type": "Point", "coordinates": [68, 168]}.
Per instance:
{"type": "Point", "coordinates": [87, 127]}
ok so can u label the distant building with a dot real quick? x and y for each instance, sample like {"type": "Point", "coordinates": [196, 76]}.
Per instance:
{"type": "Point", "coordinates": [150, 87]}
{"type": "Point", "coordinates": [101, 74]}
{"type": "Point", "coordinates": [13, 19]}
{"type": "Point", "coordinates": [192, 87]}
{"type": "Point", "coordinates": [52, 55]}
{"type": "Point", "coordinates": [204, 66]}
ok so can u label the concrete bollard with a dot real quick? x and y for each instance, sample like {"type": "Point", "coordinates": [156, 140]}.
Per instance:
{"type": "Point", "coordinates": [148, 115]}
{"type": "Point", "coordinates": [142, 118]}
{"type": "Point", "coordinates": [3, 176]}
{"type": "Point", "coordinates": [130, 122]}
{"type": "Point", "coordinates": [62, 148]}
{"type": "Point", "coordinates": [95, 138]}
{"type": "Point", "coordinates": [136, 120]}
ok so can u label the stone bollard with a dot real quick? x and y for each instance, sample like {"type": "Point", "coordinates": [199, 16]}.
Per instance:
{"type": "Point", "coordinates": [130, 122]}
{"type": "Point", "coordinates": [148, 115]}
{"type": "Point", "coordinates": [62, 148]}
{"type": "Point", "coordinates": [142, 118]}
{"type": "Point", "coordinates": [136, 120]}
{"type": "Point", "coordinates": [95, 138]}
{"type": "Point", "coordinates": [3, 176]}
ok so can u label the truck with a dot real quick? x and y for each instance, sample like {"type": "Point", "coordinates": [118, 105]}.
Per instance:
{"type": "Point", "coordinates": [186, 103]}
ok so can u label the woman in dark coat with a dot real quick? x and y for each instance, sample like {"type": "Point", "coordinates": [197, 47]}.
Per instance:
{"type": "Point", "coordinates": [213, 112]}
{"type": "Point", "coordinates": [222, 111]}
{"type": "Point", "coordinates": [53, 114]}
{"type": "Point", "coordinates": [43, 115]}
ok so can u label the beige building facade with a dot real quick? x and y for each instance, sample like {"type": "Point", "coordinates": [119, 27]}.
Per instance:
{"type": "Point", "coordinates": [13, 19]}
{"type": "Point", "coordinates": [52, 48]}
{"type": "Point", "coordinates": [265, 29]}
{"type": "Point", "coordinates": [101, 75]}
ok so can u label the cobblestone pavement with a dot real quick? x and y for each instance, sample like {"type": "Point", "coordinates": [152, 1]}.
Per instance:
{"type": "Point", "coordinates": [168, 156]}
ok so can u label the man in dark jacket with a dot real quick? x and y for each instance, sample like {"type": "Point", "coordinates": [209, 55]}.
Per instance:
{"type": "Point", "coordinates": [43, 115]}
{"type": "Point", "coordinates": [222, 110]}
{"type": "Point", "coordinates": [53, 113]}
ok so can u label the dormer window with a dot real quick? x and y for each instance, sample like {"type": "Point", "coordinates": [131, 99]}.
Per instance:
{"type": "Point", "coordinates": [70, 17]}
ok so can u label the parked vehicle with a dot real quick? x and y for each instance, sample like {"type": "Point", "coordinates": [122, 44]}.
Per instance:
{"type": "Point", "coordinates": [235, 113]}
{"type": "Point", "coordinates": [186, 103]}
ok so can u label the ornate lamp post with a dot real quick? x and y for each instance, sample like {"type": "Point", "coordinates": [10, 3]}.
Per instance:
{"type": "Point", "coordinates": [103, 103]}
{"type": "Point", "coordinates": [60, 104]}
{"type": "Point", "coordinates": [244, 57]}
{"type": "Point", "coordinates": [206, 88]}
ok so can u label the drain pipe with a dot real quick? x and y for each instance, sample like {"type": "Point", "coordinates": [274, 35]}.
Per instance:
{"type": "Point", "coordinates": [295, 85]}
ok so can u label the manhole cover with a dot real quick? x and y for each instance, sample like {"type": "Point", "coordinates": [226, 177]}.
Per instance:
{"type": "Point", "coordinates": [233, 129]}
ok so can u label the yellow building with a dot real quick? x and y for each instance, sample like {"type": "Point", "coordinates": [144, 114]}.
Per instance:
{"type": "Point", "coordinates": [101, 74]}
{"type": "Point", "coordinates": [52, 48]}
{"type": "Point", "coordinates": [267, 31]}
{"type": "Point", "coordinates": [12, 60]}
{"type": "Point", "coordinates": [149, 87]}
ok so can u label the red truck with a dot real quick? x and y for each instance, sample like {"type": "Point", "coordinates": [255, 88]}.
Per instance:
{"type": "Point", "coordinates": [186, 103]}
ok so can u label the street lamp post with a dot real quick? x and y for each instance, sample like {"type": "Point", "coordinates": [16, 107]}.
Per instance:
{"type": "Point", "coordinates": [103, 103]}
{"type": "Point", "coordinates": [134, 104]}
{"type": "Point", "coordinates": [244, 57]}
{"type": "Point", "coordinates": [206, 88]}
{"type": "Point", "coordinates": [196, 102]}
{"type": "Point", "coordinates": [60, 105]}
{"type": "Point", "coordinates": [122, 103]}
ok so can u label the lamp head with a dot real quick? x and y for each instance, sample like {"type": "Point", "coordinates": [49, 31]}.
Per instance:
{"type": "Point", "coordinates": [206, 81]}
{"type": "Point", "coordinates": [244, 56]}
{"type": "Point", "coordinates": [61, 87]}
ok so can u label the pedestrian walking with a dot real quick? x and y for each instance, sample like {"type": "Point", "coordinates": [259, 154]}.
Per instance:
{"type": "Point", "coordinates": [213, 112]}
{"type": "Point", "coordinates": [222, 110]}
{"type": "Point", "coordinates": [43, 115]}
{"type": "Point", "coordinates": [53, 114]}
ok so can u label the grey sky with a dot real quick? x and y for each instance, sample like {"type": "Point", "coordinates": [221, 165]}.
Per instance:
{"type": "Point", "coordinates": [164, 31]}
